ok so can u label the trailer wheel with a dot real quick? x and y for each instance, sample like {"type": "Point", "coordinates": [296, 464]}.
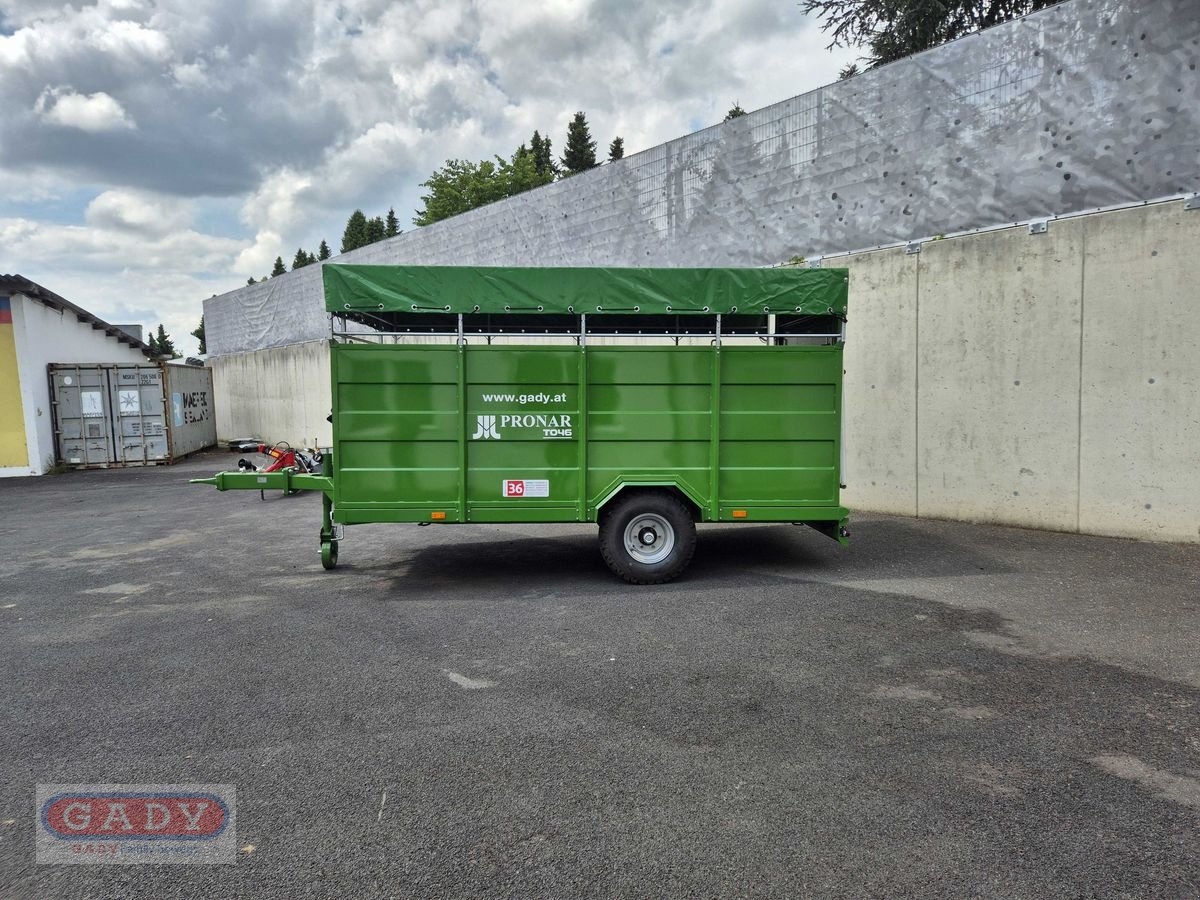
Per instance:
{"type": "Point", "coordinates": [647, 537]}
{"type": "Point", "coordinates": [329, 554]}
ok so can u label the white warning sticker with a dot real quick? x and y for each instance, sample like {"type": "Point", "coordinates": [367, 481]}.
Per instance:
{"type": "Point", "coordinates": [130, 403]}
{"type": "Point", "coordinates": [91, 404]}
{"type": "Point", "coordinates": [526, 487]}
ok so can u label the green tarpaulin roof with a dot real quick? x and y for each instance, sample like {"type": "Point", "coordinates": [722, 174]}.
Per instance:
{"type": "Point", "coordinates": [471, 289]}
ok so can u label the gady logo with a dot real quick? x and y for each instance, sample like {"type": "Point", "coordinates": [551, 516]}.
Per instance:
{"type": "Point", "coordinates": [135, 823]}
{"type": "Point", "coordinates": [135, 816]}
{"type": "Point", "coordinates": [485, 428]}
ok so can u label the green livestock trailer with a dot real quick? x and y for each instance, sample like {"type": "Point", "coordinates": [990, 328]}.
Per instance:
{"type": "Point", "coordinates": [645, 400]}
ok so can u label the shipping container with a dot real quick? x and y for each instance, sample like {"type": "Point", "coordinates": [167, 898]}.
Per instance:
{"type": "Point", "coordinates": [193, 425]}
{"type": "Point", "coordinates": [732, 414]}
{"type": "Point", "coordinates": [109, 415]}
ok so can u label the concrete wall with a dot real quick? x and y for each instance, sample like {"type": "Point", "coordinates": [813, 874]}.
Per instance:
{"type": "Point", "coordinates": [278, 395]}
{"type": "Point", "coordinates": [45, 336]}
{"type": "Point", "coordinates": [1049, 381]}
{"type": "Point", "coordinates": [1139, 412]}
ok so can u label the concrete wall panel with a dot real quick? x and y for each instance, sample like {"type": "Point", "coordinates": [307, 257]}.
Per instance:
{"type": "Point", "coordinates": [880, 388]}
{"type": "Point", "coordinates": [280, 394]}
{"type": "Point", "coordinates": [1140, 448]}
{"type": "Point", "coordinates": [998, 377]}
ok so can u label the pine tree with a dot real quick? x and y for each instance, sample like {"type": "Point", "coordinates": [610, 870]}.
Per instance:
{"type": "Point", "coordinates": [580, 152]}
{"type": "Point", "coordinates": [616, 150]}
{"type": "Point", "coordinates": [163, 344]}
{"type": "Point", "coordinates": [735, 111]}
{"type": "Point", "coordinates": [376, 230]}
{"type": "Point", "coordinates": [391, 225]}
{"type": "Point", "coordinates": [152, 343]}
{"type": "Point", "coordinates": [848, 71]}
{"type": "Point", "coordinates": [323, 251]}
{"type": "Point", "coordinates": [279, 269]}
{"type": "Point", "coordinates": [355, 235]}
{"type": "Point", "coordinates": [311, 259]}
{"type": "Point", "coordinates": [300, 260]}
{"type": "Point", "coordinates": [251, 280]}
{"type": "Point", "coordinates": [543, 157]}
{"type": "Point", "coordinates": [198, 334]}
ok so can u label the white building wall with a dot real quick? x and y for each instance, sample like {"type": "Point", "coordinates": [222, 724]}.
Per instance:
{"type": "Point", "coordinates": [45, 336]}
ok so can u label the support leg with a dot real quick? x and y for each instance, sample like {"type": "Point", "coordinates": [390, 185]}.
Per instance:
{"type": "Point", "coordinates": [329, 546]}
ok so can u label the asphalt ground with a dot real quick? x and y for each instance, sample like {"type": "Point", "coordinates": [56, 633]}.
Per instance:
{"type": "Point", "coordinates": [939, 710]}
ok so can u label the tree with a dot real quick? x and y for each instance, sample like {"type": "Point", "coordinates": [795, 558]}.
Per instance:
{"type": "Point", "coordinates": [461, 185]}
{"type": "Point", "coordinates": [301, 259]}
{"type": "Point", "coordinates": [450, 191]}
{"type": "Point", "coordinates": [376, 230]}
{"type": "Point", "coordinates": [893, 29]}
{"type": "Point", "coordinates": [616, 150]}
{"type": "Point", "coordinates": [355, 235]}
{"type": "Point", "coordinates": [162, 344]}
{"type": "Point", "coordinates": [543, 156]}
{"type": "Point", "coordinates": [251, 280]}
{"type": "Point", "coordinates": [279, 269]}
{"type": "Point", "coordinates": [391, 225]}
{"type": "Point", "coordinates": [323, 251]}
{"type": "Point", "coordinates": [580, 152]}
{"type": "Point", "coordinates": [458, 186]}
{"type": "Point", "coordinates": [520, 173]}
{"type": "Point", "coordinates": [848, 71]}
{"type": "Point", "coordinates": [735, 111]}
{"type": "Point", "coordinates": [198, 334]}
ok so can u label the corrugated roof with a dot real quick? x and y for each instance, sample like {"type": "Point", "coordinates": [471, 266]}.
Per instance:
{"type": "Point", "coordinates": [19, 284]}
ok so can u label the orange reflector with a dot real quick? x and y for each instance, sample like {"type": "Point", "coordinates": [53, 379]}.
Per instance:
{"type": "Point", "coordinates": [739, 514]}
{"type": "Point", "coordinates": [437, 515]}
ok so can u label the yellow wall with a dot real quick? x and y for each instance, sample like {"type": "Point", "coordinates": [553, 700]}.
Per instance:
{"type": "Point", "coordinates": [13, 449]}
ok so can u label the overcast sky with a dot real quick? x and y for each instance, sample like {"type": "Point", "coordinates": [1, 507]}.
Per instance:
{"type": "Point", "coordinates": [153, 154]}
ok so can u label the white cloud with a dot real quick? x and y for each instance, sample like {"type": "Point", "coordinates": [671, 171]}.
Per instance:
{"type": "Point", "coordinates": [87, 112]}
{"type": "Point", "coordinates": [258, 259]}
{"type": "Point", "coordinates": [139, 211]}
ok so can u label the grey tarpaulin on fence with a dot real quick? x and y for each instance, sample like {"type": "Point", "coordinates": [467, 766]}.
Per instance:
{"type": "Point", "coordinates": [1088, 104]}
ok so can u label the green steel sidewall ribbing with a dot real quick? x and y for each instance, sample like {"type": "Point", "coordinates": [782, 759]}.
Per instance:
{"type": "Point", "coordinates": [505, 433]}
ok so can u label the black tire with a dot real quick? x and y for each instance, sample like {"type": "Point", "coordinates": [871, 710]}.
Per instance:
{"type": "Point", "coordinates": [659, 528]}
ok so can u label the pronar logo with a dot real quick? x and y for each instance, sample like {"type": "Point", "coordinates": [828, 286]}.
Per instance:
{"type": "Point", "coordinates": [485, 428]}
{"type": "Point", "coordinates": [489, 427]}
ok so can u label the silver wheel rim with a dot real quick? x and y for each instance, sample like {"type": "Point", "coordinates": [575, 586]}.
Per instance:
{"type": "Point", "coordinates": [649, 538]}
